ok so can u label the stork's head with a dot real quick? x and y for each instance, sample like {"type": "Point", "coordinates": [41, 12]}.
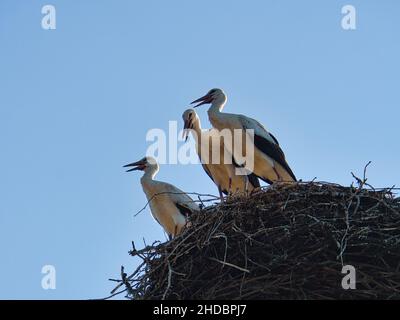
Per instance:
{"type": "Point", "coordinates": [146, 164]}
{"type": "Point", "coordinates": [214, 96]}
{"type": "Point", "coordinates": [190, 119]}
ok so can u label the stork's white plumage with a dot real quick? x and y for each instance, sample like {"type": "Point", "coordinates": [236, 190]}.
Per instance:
{"type": "Point", "coordinates": [169, 205]}
{"type": "Point", "coordinates": [220, 169]}
{"type": "Point", "coordinates": [269, 160]}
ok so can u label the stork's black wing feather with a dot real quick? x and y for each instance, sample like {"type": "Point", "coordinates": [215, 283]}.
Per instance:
{"type": "Point", "coordinates": [185, 211]}
{"type": "Point", "coordinates": [273, 138]}
{"type": "Point", "coordinates": [273, 151]}
{"type": "Point", "coordinates": [253, 179]}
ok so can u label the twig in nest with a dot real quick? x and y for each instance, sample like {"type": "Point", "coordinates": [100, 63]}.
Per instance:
{"type": "Point", "coordinates": [125, 281]}
{"type": "Point", "coordinates": [169, 281]}
{"type": "Point", "coordinates": [229, 264]}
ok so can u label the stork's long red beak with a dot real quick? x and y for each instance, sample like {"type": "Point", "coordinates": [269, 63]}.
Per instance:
{"type": "Point", "coordinates": [203, 100]}
{"type": "Point", "coordinates": [138, 165]}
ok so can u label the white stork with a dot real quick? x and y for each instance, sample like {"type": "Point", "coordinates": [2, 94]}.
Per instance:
{"type": "Point", "coordinates": [269, 160]}
{"type": "Point", "coordinates": [222, 172]}
{"type": "Point", "coordinates": [169, 205]}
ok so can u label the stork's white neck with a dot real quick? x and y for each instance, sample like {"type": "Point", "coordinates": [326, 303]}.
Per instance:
{"type": "Point", "coordinates": [149, 174]}
{"type": "Point", "coordinates": [217, 106]}
{"type": "Point", "coordinates": [197, 132]}
{"type": "Point", "coordinates": [215, 114]}
{"type": "Point", "coordinates": [197, 127]}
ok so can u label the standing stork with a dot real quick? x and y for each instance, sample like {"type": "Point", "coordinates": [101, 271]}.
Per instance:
{"type": "Point", "coordinates": [169, 205]}
{"type": "Point", "coordinates": [221, 172]}
{"type": "Point", "coordinates": [269, 160]}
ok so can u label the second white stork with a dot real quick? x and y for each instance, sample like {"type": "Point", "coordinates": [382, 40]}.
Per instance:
{"type": "Point", "coordinates": [270, 163]}
{"type": "Point", "coordinates": [220, 170]}
{"type": "Point", "coordinates": [169, 205]}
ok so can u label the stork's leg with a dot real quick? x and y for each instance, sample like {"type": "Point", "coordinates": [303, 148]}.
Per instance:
{"type": "Point", "coordinates": [279, 178]}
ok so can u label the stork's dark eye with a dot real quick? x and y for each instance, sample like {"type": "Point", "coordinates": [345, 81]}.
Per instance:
{"type": "Point", "coordinates": [212, 91]}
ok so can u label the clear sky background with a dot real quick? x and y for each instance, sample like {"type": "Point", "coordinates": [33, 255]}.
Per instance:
{"type": "Point", "coordinates": [76, 103]}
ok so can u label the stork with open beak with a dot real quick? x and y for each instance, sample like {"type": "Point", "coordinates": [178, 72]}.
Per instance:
{"type": "Point", "coordinates": [221, 172]}
{"type": "Point", "coordinates": [269, 160]}
{"type": "Point", "coordinates": [169, 205]}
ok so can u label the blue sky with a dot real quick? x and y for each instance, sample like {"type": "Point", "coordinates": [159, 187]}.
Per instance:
{"type": "Point", "coordinates": [76, 103]}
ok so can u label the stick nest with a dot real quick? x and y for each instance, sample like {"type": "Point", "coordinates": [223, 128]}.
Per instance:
{"type": "Point", "coordinates": [289, 241]}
